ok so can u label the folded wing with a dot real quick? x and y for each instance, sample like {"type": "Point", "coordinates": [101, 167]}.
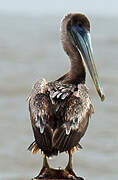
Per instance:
{"type": "Point", "coordinates": [41, 114]}
{"type": "Point", "coordinates": [74, 113]}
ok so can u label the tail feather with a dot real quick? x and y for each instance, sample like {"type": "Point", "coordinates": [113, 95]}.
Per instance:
{"type": "Point", "coordinates": [43, 141]}
{"type": "Point", "coordinates": [33, 148]}
{"type": "Point", "coordinates": [58, 137]}
{"type": "Point", "coordinates": [64, 142]}
{"type": "Point", "coordinates": [70, 140]}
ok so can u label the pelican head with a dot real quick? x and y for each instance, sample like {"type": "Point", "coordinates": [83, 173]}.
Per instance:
{"type": "Point", "coordinates": [76, 29]}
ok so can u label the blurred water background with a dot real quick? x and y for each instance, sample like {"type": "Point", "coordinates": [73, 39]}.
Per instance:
{"type": "Point", "coordinates": [30, 48]}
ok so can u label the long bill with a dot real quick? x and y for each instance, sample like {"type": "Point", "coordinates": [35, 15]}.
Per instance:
{"type": "Point", "coordinates": [82, 40]}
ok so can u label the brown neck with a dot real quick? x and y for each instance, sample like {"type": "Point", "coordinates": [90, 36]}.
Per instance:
{"type": "Point", "coordinates": [77, 72]}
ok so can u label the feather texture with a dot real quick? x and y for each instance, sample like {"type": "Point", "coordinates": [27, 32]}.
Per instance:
{"type": "Point", "coordinates": [59, 115]}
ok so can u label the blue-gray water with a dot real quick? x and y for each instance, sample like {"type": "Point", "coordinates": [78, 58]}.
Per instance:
{"type": "Point", "coordinates": [30, 48]}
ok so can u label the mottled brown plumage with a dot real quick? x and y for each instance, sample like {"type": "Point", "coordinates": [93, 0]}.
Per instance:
{"type": "Point", "coordinates": [60, 110]}
{"type": "Point", "coordinates": [59, 115]}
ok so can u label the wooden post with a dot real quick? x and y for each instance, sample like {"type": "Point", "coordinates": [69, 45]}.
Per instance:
{"type": "Point", "coordinates": [57, 174]}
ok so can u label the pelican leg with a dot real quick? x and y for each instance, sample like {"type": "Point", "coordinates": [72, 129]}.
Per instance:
{"type": "Point", "coordinates": [50, 173]}
{"type": "Point", "coordinates": [45, 162]}
{"type": "Point", "coordinates": [69, 165]}
{"type": "Point", "coordinates": [69, 168]}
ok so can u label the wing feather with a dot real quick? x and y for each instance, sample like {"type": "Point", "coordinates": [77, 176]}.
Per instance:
{"type": "Point", "coordinates": [41, 113]}
{"type": "Point", "coordinates": [75, 112]}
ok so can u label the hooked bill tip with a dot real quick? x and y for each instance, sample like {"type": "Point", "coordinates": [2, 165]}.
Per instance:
{"type": "Point", "coordinates": [100, 92]}
{"type": "Point", "coordinates": [102, 97]}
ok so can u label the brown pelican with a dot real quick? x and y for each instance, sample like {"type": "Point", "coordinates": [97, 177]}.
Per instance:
{"type": "Point", "coordinates": [60, 110]}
